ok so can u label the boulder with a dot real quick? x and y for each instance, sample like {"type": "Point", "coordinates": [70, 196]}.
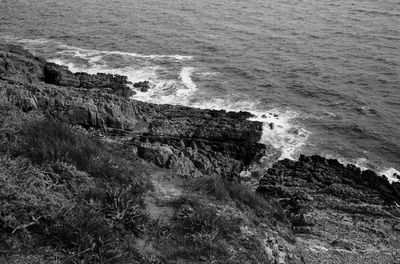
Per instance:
{"type": "Point", "coordinates": [143, 86]}
{"type": "Point", "coordinates": [59, 75]}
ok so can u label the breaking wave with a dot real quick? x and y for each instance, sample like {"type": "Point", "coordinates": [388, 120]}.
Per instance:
{"type": "Point", "coordinates": [281, 128]}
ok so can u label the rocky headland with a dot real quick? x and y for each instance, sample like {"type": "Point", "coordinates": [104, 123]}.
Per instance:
{"type": "Point", "coordinates": [167, 184]}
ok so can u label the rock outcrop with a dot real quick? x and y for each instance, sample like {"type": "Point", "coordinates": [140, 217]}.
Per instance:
{"type": "Point", "coordinates": [19, 65]}
{"type": "Point", "coordinates": [338, 213]}
{"type": "Point", "coordinates": [143, 86]}
{"type": "Point", "coordinates": [193, 141]}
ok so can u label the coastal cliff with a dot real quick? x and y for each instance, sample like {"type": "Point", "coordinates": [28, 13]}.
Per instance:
{"type": "Point", "coordinates": [89, 175]}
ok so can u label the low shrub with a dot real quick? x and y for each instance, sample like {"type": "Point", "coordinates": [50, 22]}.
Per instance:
{"type": "Point", "coordinates": [203, 233]}
{"type": "Point", "coordinates": [230, 190]}
{"type": "Point", "coordinates": [242, 196]}
{"type": "Point", "coordinates": [49, 140]}
{"type": "Point", "coordinates": [64, 190]}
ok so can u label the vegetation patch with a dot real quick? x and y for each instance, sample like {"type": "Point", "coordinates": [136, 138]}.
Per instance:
{"type": "Point", "coordinates": [203, 233]}
{"type": "Point", "coordinates": [66, 193]}
{"type": "Point", "coordinates": [243, 197]}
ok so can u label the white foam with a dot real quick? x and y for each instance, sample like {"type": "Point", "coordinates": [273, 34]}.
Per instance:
{"type": "Point", "coordinates": [31, 41]}
{"type": "Point", "coordinates": [280, 130]}
{"type": "Point", "coordinates": [85, 53]}
{"type": "Point", "coordinates": [185, 77]}
{"type": "Point", "coordinates": [208, 73]}
{"type": "Point", "coordinates": [175, 92]}
{"type": "Point", "coordinates": [362, 163]}
{"type": "Point", "coordinates": [389, 173]}
{"type": "Point", "coordinates": [133, 74]}
{"type": "Point", "coordinates": [287, 136]}
{"type": "Point", "coordinates": [96, 59]}
{"type": "Point", "coordinates": [165, 91]}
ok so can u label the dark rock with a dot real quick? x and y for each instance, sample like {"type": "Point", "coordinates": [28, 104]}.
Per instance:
{"type": "Point", "coordinates": [59, 75]}
{"type": "Point", "coordinates": [343, 191]}
{"type": "Point", "coordinates": [112, 83]}
{"type": "Point", "coordinates": [396, 176]}
{"type": "Point", "coordinates": [19, 65]}
{"type": "Point", "coordinates": [343, 244]}
{"type": "Point", "coordinates": [143, 86]}
{"type": "Point", "coordinates": [271, 126]}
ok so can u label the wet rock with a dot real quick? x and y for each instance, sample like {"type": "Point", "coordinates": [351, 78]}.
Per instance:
{"type": "Point", "coordinates": [59, 75]}
{"type": "Point", "coordinates": [271, 126]}
{"type": "Point", "coordinates": [143, 86]}
{"type": "Point", "coordinates": [111, 83]}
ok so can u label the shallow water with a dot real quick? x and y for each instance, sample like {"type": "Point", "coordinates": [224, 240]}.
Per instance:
{"type": "Point", "coordinates": [327, 74]}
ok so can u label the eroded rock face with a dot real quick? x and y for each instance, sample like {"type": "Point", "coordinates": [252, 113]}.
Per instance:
{"type": "Point", "coordinates": [338, 213]}
{"type": "Point", "coordinates": [18, 65]}
{"type": "Point", "coordinates": [331, 177]}
{"type": "Point", "coordinates": [202, 141]}
{"type": "Point", "coordinates": [192, 141]}
{"type": "Point", "coordinates": [60, 75]}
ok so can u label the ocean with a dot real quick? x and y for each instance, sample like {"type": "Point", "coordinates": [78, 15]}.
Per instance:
{"type": "Point", "coordinates": [326, 74]}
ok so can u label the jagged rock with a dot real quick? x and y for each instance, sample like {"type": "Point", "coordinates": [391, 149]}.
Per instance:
{"type": "Point", "coordinates": [160, 155]}
{"type": "Point", "coordinates": [59, 75]}
{"type": "Point", "coordinates": [327, 201]}
{"type": "Point", "coordinates": [330, 176]}
{"type": "Point", "coordinates": [117, 83]}
{"type": "Point", "coordinates": [19, 65]}
{"type": "Point", "coordinates": [343, 191]}
{"type": "Point", "coordinates": [143, 86]}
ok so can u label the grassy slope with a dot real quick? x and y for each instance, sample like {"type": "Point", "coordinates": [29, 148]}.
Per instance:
{"type": "Point", "coordinates": [68, 197]}
{"type": "Point", "coordinates": [65, 195]}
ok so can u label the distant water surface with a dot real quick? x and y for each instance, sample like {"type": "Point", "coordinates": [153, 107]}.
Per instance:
{"type": "Point", "coordinates": [326, 73]}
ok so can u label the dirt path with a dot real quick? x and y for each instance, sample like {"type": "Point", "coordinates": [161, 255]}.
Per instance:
{"type": "Point", "coordinates": [164, 189]}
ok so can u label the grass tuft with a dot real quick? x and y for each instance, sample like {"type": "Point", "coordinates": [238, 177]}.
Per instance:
{"type": "Point", "coordinates": [67, 193]}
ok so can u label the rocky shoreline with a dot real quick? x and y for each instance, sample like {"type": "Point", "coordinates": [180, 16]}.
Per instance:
{"type": "Point", "coordinates": [334, 213]}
